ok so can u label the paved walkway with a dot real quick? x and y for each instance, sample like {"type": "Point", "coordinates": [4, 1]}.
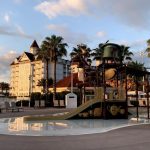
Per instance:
{"type": "Point", "coordinates": [128, 138]}
{"type": "Point", "coordinates": [31, 111]}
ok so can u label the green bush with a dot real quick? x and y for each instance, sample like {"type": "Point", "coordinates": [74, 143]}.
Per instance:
{"type": "Point", "coordinates": [24, 103]}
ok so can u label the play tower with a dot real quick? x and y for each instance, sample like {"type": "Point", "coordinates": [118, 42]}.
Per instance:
{"type": "Point", "coordinates": [110, 88]}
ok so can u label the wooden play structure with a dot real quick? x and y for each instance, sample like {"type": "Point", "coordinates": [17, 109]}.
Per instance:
{"type": "Point", "coordinates": [110, 89]}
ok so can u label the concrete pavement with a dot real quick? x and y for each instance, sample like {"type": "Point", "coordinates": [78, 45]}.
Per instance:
{"type": "Point", "coordinates": [128, 138]}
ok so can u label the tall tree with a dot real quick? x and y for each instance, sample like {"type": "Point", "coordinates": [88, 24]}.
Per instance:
{"type": "Point", "coordinates": [4, 87]}
{"type": "Point", "coordinates": [125, 54]}
{"type": "Point", "coordinates": [85, 51]}
{"type": "Point", "coordinates": [82, 55]}
{"type": "Point", "coordinates": [148, 48]}
{"type": "Point", "coordinates": [43, 55]}
{"type": "Point", "coordinates": [140, 67]}
{"type": "Point", "coordinates": [136, 65]}
{"type": "Point", "coordinates": [42, 82]}
{"type": "Point", "coordinates": [98, 52]}
{"type": "Point", "coordinates": [75, 52]}
{"type": "Point", "coordinates": [56, 49]}
{"type": "Point", "coordinates": [81, 50]}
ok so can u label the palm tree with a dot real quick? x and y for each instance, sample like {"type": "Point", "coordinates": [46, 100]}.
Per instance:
{"type": "Point", "coordinates": [81, 50]}
{"type": "Point", "coordinates": [43, 55]}
{"type": "Point", "coordinates": [4, 87]}
{"type": "Point", "coordinates": [56, 49]}
{"type": "Point", "coordinates": [42, 82]}
{"type": "Point", "coordinates": [148, 48]}
{"type": "Point", "coordinates": [136, 65]}
{"type": "Point", "coordinates": [75, 52]}
{"type": "Point", "coordinates": [86, 51]}
{"type": "Point", "coordinates": [82, 55]}
{"type": "Point", "coordinates": [125, 54]}
{"type": "Point", "coordinates": [98, 52]}
{"type": "Point", "coordinates": [139, 67]}
{"type": "Point", "coordinates": [7, 87]}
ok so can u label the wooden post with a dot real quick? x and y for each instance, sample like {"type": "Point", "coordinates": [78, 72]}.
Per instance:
{"type": "Point", "coordinates": [104, 85]}
{"type": "Point", "coordinates": [147, 93]}
{"type": "Point", "coordinates": [137, 106]}
{"type": "Point", "coordinates": [126, 82]}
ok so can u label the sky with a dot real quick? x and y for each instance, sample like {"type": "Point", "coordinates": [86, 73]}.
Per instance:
{"type": "Point", "coordinates": [78, 21]}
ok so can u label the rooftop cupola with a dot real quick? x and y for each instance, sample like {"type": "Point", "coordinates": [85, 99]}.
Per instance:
{"type": "Point", "coordinates": [34, 48]}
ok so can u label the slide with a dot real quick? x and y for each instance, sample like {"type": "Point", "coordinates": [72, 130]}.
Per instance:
{"type": "Point", "coordinates": [63, 116]}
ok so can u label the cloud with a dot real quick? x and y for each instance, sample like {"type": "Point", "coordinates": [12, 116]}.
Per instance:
{"type": "Point", "coordinates": [134, 13]}
{"type": "Point", "coordinates": [101, 34]}
{"type": "Point", "coordinates": [69, 35]}
{"type": "Point", "coordinates": [136, 45]}
{"type": "Point", "coordinates": [141, 57]}
{"type": "Point", "coordinates": [62, 7]}
{"type": "Point", "coordinates": [5, 61]}
{"type": "Point", "coordinates": [139, 44]}
{"type": "Point", "coordinates": [59, 28]}
{"type": "Point", "coordinates": [14, 31]}
{"type": "Point", "coordinates": [7, 18]}
{"type": "Point", "coordinates": [1, 48]}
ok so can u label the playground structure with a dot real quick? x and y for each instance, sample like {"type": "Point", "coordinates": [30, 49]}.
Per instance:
{"type": "Point", "coordinates": [110, 84]}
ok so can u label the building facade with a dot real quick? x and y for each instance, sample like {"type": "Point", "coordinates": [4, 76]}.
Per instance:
{"type": "Point", "coordinates": [27, 70]}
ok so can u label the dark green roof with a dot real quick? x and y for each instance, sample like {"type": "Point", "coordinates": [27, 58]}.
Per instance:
{"type": "Point", "coordinates": [34, 44]}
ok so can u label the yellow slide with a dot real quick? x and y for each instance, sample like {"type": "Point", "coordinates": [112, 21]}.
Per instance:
{"type": "Point", "coordinates": [64, 116]}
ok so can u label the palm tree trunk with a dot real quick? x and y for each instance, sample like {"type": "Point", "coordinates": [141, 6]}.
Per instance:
{"type": "Point", "coordinates": [54, 83]}
{"type": "Point", "coordinates": [2, 88]}
{"type": "Point", "coordinates": [47, 70]}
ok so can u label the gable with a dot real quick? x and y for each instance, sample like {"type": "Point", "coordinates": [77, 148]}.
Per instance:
{"type": "Point", "coordinates": [15, 61]}
{"type": "Point", "coordinates": [24, 58]}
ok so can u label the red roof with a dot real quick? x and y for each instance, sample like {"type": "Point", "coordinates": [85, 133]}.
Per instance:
{"type": "Point", "coordinates": [66, 82]}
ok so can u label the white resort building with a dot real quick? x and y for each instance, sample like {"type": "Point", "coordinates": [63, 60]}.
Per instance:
{"type": "Point", "coordinates": [27, 70]}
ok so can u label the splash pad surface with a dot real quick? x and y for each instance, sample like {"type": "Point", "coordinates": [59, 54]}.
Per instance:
{"type": "Point", "coordinates": [17, 126]}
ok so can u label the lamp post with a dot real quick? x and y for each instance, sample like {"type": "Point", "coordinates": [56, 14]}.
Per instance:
{"type": "Point", "coordinates": [30, 84]}
{"type": "Point", "coordinates": [147, 93]}
{"type": "Point", "coordinates": [81, 76]}
{"type": "Point", "coordinates": [30, 81]}
{"type": "Point", "coordinates": [83, 49]}
{"type": "Point", "coordinates": [142, 54]}
{"type": "Point", "coordinates": [71, 79]}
